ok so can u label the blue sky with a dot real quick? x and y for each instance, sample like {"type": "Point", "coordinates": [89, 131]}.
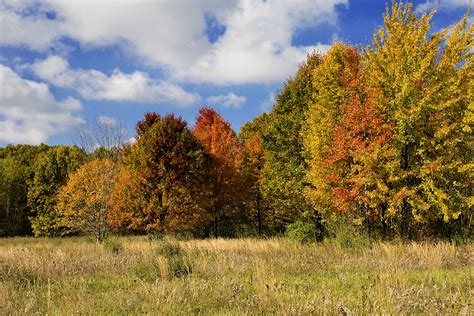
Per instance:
{"type": "Point", "coordinates": [64, 63]}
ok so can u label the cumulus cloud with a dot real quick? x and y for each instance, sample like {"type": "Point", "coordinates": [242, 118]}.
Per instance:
{"type": "Point", "coordinates": [256, 47]}
{"type": "Point", "coordinates": [442, 4]}
{"type": "Point", "coordinates": [22, 29]}
{"type": "Point", "coordinates": [119, 86]}
{"type": "Point", "coordinates": [230, 100]}
{"type": "Point", "coordinates": [28, 111]}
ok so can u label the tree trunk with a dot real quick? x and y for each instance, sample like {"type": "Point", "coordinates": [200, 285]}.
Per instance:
{"type": "Point", "coordinates": [259, 216]}
{"type": "Point", "coordinates": [384, 223]}
{"type": "Point", "coordinates": [215, 227]}
{"type": "Point", "coordinates": [406, 209]}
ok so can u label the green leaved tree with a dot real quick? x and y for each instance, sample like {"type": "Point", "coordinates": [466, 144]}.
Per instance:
{"type": "Point", "coordinates": [51, 171]}
{"type": "Point", "coordinates": [284, 178]}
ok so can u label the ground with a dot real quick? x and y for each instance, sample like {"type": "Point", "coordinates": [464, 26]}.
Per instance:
{"type": "Point", "coordinates": [133, 275]}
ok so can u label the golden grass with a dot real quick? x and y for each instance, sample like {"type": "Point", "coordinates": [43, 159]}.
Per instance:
{"type": "Point", "coordinates": [238, 276]}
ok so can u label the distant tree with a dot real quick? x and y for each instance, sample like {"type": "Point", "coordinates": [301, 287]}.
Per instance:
{"type": "Point", "coordinates": [163, 183]}
{"type": "Point", "coordinates": [10, 186]}
{"type": "Point", "coordinates": [51, 171]}
{"type": "Point", "coordinates": [218, 138]}
{"type": "Point", "coordinates": [84, 201]}
{"type": "Point", "coordinates": [16, 170]}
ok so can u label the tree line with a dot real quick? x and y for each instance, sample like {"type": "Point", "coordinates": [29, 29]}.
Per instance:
{"type": "Point", "coordinates": [378, 138]}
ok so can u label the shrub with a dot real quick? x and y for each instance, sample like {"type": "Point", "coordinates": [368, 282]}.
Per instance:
{"type": "Point", "coordinates": [168, 261]}
{"type": "Point", "coordinates": [175, 259]}
{"type": "Point", "coordinates": [302, 232]}
{"type": "Point", "coordinates": [113, 245]}
{"type": "Point", "coordinates": [346, 234]}
{"type": "Point", "coordinates": [169, 249]}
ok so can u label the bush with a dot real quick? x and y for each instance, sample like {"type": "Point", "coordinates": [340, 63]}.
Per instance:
{"type": "Point", "coordinates": [346, 234]}
{"type": "Point", "coordinates": [169, 249]}
{"type": "Point", "coordinates": [302, 232]}
{"type": "Point", "coordinates": [113, 245]}
{"type": "Point", "coordinates": [175, 259]}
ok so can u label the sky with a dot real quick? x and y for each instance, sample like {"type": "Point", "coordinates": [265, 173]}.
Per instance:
{"type": "Point", "coordinates": [64, 63]}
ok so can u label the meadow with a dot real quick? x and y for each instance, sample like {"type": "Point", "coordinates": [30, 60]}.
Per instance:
{"type": "Point", "coordinates": [135, 275]}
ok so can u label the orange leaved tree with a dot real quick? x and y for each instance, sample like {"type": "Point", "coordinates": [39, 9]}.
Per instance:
{"type": "Point", "coordinates": [218, 138]}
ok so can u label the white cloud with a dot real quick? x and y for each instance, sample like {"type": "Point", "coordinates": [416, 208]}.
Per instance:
{"type": "Point", "coordinates": [28, 111]}
{"type": "Point", "coordinates": [34, 32]}
{"type": "Point", "coordinates": [256, 46]}
{"type": "Point", "coordinates": [107, 120]}
{"type": "Point", "coordinates": [230, 100]}
{"type": "Point", "coordinates": [51, 68]}
{"type": "Point", "coordinates": [442, 4]}
{"type": "Point", "coordinates": [119, 86]}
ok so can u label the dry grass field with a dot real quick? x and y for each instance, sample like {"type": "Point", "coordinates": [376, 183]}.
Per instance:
{"type": "Point", "coordinates": [135, 275]}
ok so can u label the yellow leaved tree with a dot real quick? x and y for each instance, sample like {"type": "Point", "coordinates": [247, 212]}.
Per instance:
{"type": "Point", "coordinates": [84, 200]}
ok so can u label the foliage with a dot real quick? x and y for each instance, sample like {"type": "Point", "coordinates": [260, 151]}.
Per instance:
{"type": "Point", "coordinates": [284, 176]}
{"type": "Point", "coordinates": [84, 201]}
{"type": "Point", "coordinates": [344, 137]}
{"type": "Point", "coordinates": [16, 170]}
{"type": "Point", "coordinates": [253, 162]}
{"type": "Point", "coordinates": [163, 181]}
{"type": "Point", "coordinates": [389, 134]}
{"type": "Point", "coordinates": [377, 142]}
{"type": "Point", "coordinates": [220, 141]}
{"type": "Point", "coordinates": [50, 173]}
{"type": "Point", "coordinates": [424, 83]}
{"type": "Point", "coordinates": [303, 232]}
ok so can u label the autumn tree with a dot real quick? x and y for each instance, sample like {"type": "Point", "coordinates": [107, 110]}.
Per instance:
{"type": "Point", "coordinates": [83, 201]}
{"type": "Point", "coordinates": [425, 85]}
{"type": "Point", "coordinates": [221, 142]}
{"type": "Point", "coordinates": [345, 136]}
{"type": "Point", "coordinates": [323, 117]}
{"type": "Point", "coordinates": [253, 162]}
{"type": "Point", "coordinates": [50, 173]}
{"type": "Point", "coordinates": [389, 134]}
{"type": "Point", "coordinates": [284, 174]}
{"type": "Point", "coordinates": [163, 183]}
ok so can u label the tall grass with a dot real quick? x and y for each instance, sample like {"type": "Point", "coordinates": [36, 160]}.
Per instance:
{"type": "Point", "coordinates": [238, 276]}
